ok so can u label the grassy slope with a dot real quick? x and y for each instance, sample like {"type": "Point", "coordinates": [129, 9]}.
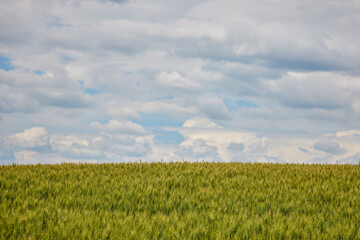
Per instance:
{"type": "Point", "coordinates": [179, 201]}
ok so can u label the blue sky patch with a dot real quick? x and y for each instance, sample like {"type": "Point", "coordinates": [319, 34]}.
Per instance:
{"type": "Point", "coordinates": [232, 104]}
{"type": "Point", "coordinates": [245, 103]}
{"type": "Point", "coordinates": [5, 63]}
{"type": "Point", "coordinates": [155, 120]}
{"type": "Point", "coordinates": [67, 59]}
{"type": "Point", "coordinates": [165, 98]}
{"type": "Point", "coordinates": [92, 91]}
{"type": "Point", "coordinates": [168, 137]}
{"type": "Point", "coordinates": [38, 72]}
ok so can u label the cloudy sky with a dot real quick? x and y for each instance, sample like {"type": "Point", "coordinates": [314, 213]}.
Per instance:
{"type": "Point", "coordinates": [221, 80]}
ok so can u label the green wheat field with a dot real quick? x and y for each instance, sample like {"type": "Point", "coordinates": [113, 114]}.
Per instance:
{"type": "Point", "coordinates": [180, 201]}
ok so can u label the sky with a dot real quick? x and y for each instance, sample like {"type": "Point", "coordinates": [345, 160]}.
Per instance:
{"type": "Point", "coordinates": [221, 80]}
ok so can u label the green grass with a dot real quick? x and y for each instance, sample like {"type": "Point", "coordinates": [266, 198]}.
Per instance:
{"type": "Point", "coordinates": [180, 201]}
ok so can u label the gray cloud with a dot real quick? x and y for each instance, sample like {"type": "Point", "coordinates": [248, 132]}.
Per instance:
{"type": "Point", "coordinates": [25, 92]}
{"type": "Point", "coordinates": [236, 147]}
{"type": "Point", "coordinates": [199, 150]}
{"type": "Point", "coordinates": [354, 159]}
{"type": "Point", "coordinates": [311, 91]}
{"type": "Point", "coordinates": [296, 61]}
{"type": "Point", "coordinates": [214, 108]}
{"type": "Point", "coordinates": [303, 150]}
{"type": "Point", "coordinates": [118, 1]}
{"type": "Point", "coordinates": [328, 146]}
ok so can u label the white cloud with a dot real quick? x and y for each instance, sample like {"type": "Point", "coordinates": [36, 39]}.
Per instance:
{"type": "Point", "coordinates": [124, 127]}
{"type": "Point", "coordinates": [74, 147]}
{"type": "Point", "coordinates": [254, 146]}
{"type": "Point", "coordinates": [141, 147]}
{"type": "Point", "coordinates": [114, 110]}
{"type": "Point", "coordinates": [119, 145]}
{"type": "Point", "coordinates": [36, 137]}
{"type": "Point", "coordinates": [354, 133]}
{"type": "Point", "coordinates": [183, 28]}
{"type": "Point", "coordinates": [175, 80]}
{"type": "Point", "coordinates": [197, 151]}
{"type": "Point", "coordinates": [65, 64]}
{"type": "Point", "coordinates": [246, 49]}
{"type": "Point", "coordinates": [199, 122]}
{"type": "Point", "coordinates": [103, 147]}
{"type": "Point", "coordinates": [26, 156]}
{"type": "Point", "coordinates": [170, 107]}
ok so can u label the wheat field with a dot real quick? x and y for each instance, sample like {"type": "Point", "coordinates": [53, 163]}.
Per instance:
{"type": "Point", "coordinates": [180, 201]}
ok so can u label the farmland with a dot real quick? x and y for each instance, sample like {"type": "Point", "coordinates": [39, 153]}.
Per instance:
{"type": "Point", "coordinates": [180, 201]}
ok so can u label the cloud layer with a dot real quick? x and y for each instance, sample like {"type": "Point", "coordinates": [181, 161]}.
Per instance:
{"type": "Point", "coordinates": [265, 81]}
